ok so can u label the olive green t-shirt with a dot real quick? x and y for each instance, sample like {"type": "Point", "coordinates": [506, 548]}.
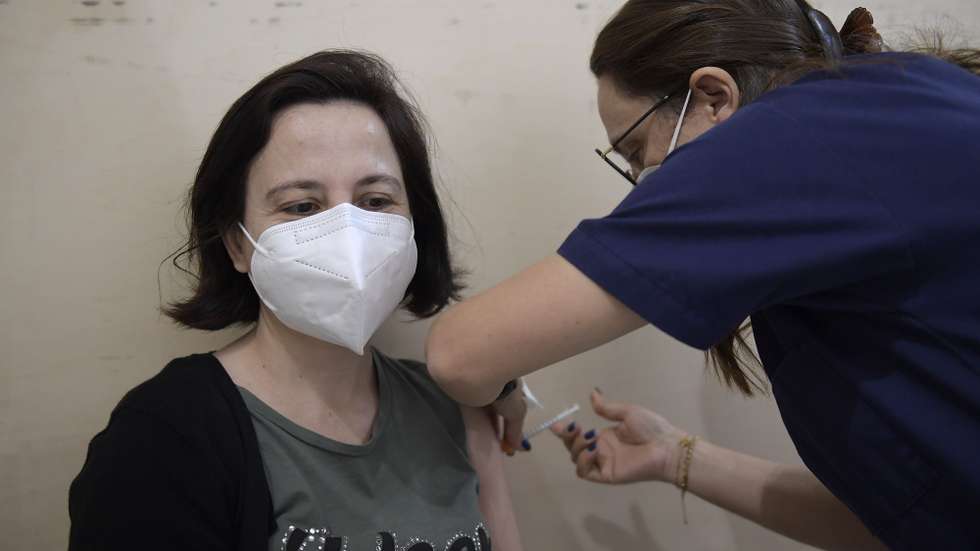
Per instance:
{"type": "Point", "coordinates": [411, 486]}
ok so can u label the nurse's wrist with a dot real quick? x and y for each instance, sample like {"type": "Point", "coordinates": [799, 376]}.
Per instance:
{"type": "Point", "coordinates": [676, 453]}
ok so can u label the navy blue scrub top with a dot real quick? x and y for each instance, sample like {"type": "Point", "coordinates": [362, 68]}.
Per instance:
{"type": "Point", "coordinates": [842, 213]}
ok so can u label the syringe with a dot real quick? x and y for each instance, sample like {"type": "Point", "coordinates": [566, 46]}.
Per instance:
{"type": "Point", "coordinates": [540, 428]}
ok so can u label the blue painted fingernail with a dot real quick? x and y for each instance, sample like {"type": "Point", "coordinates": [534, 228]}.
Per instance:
{"type": "Point", "coordinates": [590, 435]}
{"type": "Point", "coordinates": [526, 445]}
{"type": "Point", "coordinates": [592, 447]}
{"type": "Point", "coordinates": [571, 427]}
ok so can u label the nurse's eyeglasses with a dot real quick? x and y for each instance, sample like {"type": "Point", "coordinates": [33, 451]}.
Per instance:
{"type": "Point", "coordinates": [627, 173]}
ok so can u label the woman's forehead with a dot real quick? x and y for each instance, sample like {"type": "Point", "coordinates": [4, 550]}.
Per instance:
{"type": "Point", "coordinates": [337, 125]}
{"type": "Point", "coordinates": [336, 144]}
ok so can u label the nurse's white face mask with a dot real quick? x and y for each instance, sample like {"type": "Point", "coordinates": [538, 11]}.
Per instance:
{"type": "Point", "coordinates": [336, 275]}
{"type": "Point", "coordinates": [673, 141]}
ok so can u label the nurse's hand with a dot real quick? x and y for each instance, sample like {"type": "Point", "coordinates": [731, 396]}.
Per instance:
{"type": "Point", "coordinates": [640, 446]}
{"type": "Point", "coordinates": [510, 413]}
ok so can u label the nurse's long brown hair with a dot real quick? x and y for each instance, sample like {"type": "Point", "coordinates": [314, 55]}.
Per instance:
{"type": "Point", "coordinates": [651, 47]}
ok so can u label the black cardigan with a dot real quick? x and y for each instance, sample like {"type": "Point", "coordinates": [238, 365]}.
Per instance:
{"type": "Point", "coordinates": [177, 467]}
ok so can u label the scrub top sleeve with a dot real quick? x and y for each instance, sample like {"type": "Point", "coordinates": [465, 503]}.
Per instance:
{"type": "Point", "coordinates": [755, 212]}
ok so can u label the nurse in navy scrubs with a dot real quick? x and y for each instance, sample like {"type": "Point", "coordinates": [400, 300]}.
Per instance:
{"type": "Point", "coordinates": [793, 176]}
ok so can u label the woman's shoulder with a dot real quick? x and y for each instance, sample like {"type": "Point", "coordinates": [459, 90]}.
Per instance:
{"type": "Point", "coordinates": [186, 386]}
{"type": "Point", "coordinates": [188, 405]}
{"type": "Point", "coordinates": [408, 371]}
{"type": "Point", "coordinates": [172, 450]}
{"type": "Point", "coordinates": [411, 381]}
{"type": "Point", "coordinates": [404, 370]}
{"type": "Point", "coordinates": [412, 376]}
{"type": "Point", "coordinates": [192, 399]}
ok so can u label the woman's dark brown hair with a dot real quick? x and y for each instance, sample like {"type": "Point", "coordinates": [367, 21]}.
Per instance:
{"type": "Point", "coordinates": [222, 296]}
{"type": "Point", "coordinates": [651, 48]}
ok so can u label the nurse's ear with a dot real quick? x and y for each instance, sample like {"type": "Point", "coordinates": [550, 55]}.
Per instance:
{"type": "Point", "coordinates": [715, 95]}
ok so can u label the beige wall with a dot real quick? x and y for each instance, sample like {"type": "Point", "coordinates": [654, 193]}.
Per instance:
{"type": "Point", "coordinates": [105, 112]}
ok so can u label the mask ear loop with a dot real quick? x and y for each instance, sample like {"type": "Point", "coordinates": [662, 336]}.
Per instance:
{"type": "Point", "coordinates": [262, 250]}
{"type": "Point", "coordinates": [680, 122]}
{"type": "Point", "coordinates": [673, 140]}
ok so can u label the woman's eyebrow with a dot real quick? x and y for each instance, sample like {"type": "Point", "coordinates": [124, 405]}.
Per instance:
{"type": "Point", "coordinates": [379, 179]}
{"type": "Point", "coordinates": [292, 184]}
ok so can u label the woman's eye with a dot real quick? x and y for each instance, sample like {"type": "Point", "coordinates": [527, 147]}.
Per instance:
{"type": "Point", "coordinates": [302, 209]}
{"type": "Point", "coordinates": [376, 203]}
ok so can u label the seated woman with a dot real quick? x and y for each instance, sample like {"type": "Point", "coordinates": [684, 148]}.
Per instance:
{"type": "Point", "coordinates": [313, 217]}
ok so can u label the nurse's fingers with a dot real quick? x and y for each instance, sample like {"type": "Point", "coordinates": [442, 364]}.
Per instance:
{"type": "Point", "coordinates": [566, 432]}
{"type": "Point", "coordinates": [585, 462]}
{"type": "Point", "coordinates": [512, 409]}
{"type": "Point", "coordinates": [607, 409]}
{"type": "Point", "coordinates": [582, 441]}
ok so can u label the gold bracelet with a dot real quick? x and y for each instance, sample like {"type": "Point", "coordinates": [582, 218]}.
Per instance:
{"type": "Point", "coordinates": [684, 469]}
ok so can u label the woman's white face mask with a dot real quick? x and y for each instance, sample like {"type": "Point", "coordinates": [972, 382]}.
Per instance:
{"type": "Point", "coordinates": [337, 275]}
{"type": "Point", "coordinates": [673, 141]}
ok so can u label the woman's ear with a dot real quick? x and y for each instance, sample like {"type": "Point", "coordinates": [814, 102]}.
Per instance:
{"type": "Point", "coordinates": [715, 93]}
{"type": "Point", "coordinates": [239, 249]}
